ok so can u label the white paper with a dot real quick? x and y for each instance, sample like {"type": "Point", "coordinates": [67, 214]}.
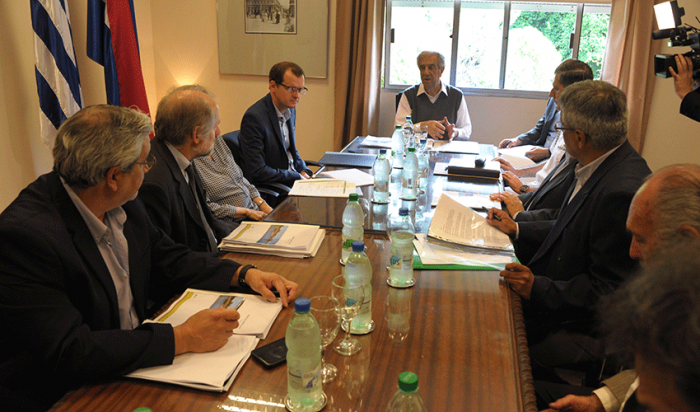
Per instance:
{"type": "Point", "coordinates": [456, 223]}
{"type": "Point", "coordinates": [322, 188]}
{"type": "Point", "coordinates": [373, 141]}
{"type": "Point", "coordinates": [275, 239]}
{"type": "Point", "coordinates": [442, 254]}
{"type": "Point", "coordinates": [474, 201]}
{"type": "Point", "coordinates": [356, 176]}
{"type": "Point", "coordinates": [516, 156]}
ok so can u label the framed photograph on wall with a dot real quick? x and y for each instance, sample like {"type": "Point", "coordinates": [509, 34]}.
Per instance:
{"type": "Point", "coordinates": [271, 16]}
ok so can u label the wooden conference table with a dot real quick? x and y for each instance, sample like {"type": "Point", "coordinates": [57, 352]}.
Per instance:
{"type": "Point", "coordinates": [462, 332]}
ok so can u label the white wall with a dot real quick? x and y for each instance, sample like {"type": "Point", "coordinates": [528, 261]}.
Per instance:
{"type": "Point", "coordinates": [178, 44]}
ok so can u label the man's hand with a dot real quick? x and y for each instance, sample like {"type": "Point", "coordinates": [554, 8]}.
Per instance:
{"type": "Point", "coordinates": [537, 153]}
{"type": "Point", "coordinates": [505, 165]}
{"type": "Point", "coordinates": [573, 403]}
{"type": "Point", "coordinates": [305, 175]}
{"type": "Point", "coordinates": [206, 330]}
{"type": "Point", "coordinates": [451, 132]}
{"type": "Point", "coordinates": [512, 180]}
{"type": "Point", "coordinates": [511, 200]}
{"type": "Point", "coordinates": [506, 143]}
{"type": "Point", "coordinates": [436, 129]}
{"type": "Point", "coordinates": [683, 80]}
{"type": "Point", "coordinates": [263, 282]}
{"type": "Point", "coordinates": [255, 214]}
{"type": "Point", "coordinates": [265, 208]}
{"type": "Point", "coordinates": [501, 221]}
{"type": "Point", "coordinates": [520, 278]}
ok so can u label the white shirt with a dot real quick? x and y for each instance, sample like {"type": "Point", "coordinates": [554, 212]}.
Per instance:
{"type": "Point", "coordinates": [463, 124]}
{"type": "Point", "coordinates": [609, 401]}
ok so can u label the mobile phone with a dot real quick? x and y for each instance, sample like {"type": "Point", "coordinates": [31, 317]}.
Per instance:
{"type": "Point", "coordinates": [271, 355]}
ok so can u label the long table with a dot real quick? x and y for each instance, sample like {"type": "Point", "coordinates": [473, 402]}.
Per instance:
{"type": "Point", "coordinates": [466, 342]}
{"type": "Point", "coordinates": [462, 332]}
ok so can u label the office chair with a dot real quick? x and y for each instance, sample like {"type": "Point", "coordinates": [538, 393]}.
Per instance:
{"type": "Point", "coordinates": [398, 100]}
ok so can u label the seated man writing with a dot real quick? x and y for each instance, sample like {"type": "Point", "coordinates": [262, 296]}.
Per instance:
{"type": "Point", "coordinates": [433, 103]}
{"type": "Point", "coordinates": [81, 260]}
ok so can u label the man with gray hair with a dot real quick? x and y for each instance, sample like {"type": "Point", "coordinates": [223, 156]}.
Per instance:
{"type": "Point", "coordinates": [437, 105]}
{"type": "Point", "coordinates": [578, 253]}
{"type": "Point", "coordinates": [187, 125]}
{"type": "Point", "coordinates": [81, 262]}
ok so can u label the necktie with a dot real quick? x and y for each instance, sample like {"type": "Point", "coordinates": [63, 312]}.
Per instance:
{"type": "Point", "coordinates": [198, 201]}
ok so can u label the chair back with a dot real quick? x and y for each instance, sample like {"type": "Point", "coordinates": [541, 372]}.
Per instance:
{"type": "Point", "coordinates": [398, 100]}
{"type": "Point", "coordinates": [231, 139]}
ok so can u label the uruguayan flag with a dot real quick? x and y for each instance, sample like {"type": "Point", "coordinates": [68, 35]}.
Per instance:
{"type": "Point", "coordinates": [57, 77]}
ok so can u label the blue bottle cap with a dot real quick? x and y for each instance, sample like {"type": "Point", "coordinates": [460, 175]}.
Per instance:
{"type": "Point", "coordinates": [358, 246]}
{"type": "Point", "coordinates": [423, 141]}
{"type": "Point", "coordinates": [353, 197]}
{"type": "Point", "coordinates": [382, 151]}
{"type": "Point", "coordinates": [302, 305]}
{"type": "Point", "coordinates": [408, 382]}
{"type": "Point", "coordinates": [403, 211]}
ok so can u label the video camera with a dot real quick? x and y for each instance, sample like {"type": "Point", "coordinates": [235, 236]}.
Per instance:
{"type": "Point", "coordinates": [668, 18]}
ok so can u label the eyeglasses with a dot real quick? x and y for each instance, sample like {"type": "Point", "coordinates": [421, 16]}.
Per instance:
{"type": "Point", "coordinates": [302, 91]}
{"type": "Point", "coordinates": [148, 163]}
{"type": "Point", "coordinates": [561, 129]}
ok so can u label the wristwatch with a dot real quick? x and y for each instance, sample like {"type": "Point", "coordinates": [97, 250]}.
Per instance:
{"type": "Point", "coordinates": [244, 271]}
{"type": "Point", "coordinates": [524, 188]}
{"type": "Point", "coordinates": [260, 202]}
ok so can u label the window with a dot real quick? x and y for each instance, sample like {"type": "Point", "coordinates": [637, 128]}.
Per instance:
{"type": "Point", "coordinates": [493, 47]}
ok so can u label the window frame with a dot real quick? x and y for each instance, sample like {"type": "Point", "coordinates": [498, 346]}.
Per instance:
{"type": "Point", "coordinates": [471, 91]}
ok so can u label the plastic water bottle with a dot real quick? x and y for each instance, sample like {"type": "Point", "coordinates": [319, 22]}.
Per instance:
{"type": "Point", "coordinates": [407, 399]}
{"type": "Point", "coordinates": [382, 174]}
{"type": "Point", "coordinates": [401, 233]}
{"type": "Point", "coordinates": [353, 219]}
{"type": "Point", "coordinates": [409, 179]}
{"type": "Point", "coordinates": [358, 269]}
{"type": "Point", "coordinates": [304, 379]}
{"type": "Point", "coordinates": [423, 163]}
{"type": "Point", "coordinates": [408, 134]}
{"type": "Point", "coordinates": [397, 147]}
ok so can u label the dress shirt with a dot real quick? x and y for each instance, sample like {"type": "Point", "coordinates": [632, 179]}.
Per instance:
{"type": "Point", "coordinates": [557, 150]}
{"type": "Point", "coordinates": [283, 119]}
{"type": "Point", "coordinates": [553, 132]}
{"type": "Point", "coordinates": [110, 240]}
{"type": "Point", "coordinates": [583, 173]}
{"type": "Point", "coordinates": [224, 183]}
{"type": "Point", "coordinates": [463, 125]}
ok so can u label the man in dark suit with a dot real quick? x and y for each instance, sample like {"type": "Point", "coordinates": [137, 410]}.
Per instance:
{"type": "Point", "coordinates": [267, 136]}
{"type": "Point", "coordinates": [583, 247]}
{"type": "Point", "coordinates": [186, 127]}
{"type": "Point", "coordinates": [81, 261]}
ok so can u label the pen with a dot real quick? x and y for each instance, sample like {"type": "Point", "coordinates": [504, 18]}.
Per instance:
{"type": "Point", "coordinates": [495, 216]}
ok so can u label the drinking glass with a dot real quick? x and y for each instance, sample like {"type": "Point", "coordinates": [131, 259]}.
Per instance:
{"type": "Point", "coordinates": [325, 310]}
{"type": "Point", "coordinates": [420, 131]}
{"type": "Point", "coordinates": [350, 296]}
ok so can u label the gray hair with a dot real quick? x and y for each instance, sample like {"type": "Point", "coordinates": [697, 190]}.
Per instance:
{"type": "Point", "coordinates": [656, 316]}
{"type": "Point", "coordinates": [676, 202]}
{"type": "Point", "coordinates": [427, 53]}
{"type": "Point", "coordinates": [597, 108]}
{"type": "Point", "coordinates": [181, 111]}
{"type": "Point", "coordinates": [96, 139]}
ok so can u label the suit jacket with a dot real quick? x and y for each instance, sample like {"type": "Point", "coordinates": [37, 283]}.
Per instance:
{"type": "Point", "coordinates": [262, 145]}
{"type": "Point", "coordinates": [538, 134]}
{"type": "Point", "coordinates": [551, 192]}
{"type": "Point", "coordinates": [620, 384]}
{"type": "Point", "coordinates": [58, 303]}
{"type": "Point", "coordinates": [171, 204]}
{"type": "Point", "coordinates": [585, 251]}
{"type": "Point", "coordinates": [690, 105]}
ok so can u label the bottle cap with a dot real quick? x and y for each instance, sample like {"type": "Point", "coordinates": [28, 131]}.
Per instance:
{"type": "Point", "coordinates": [398, 127]}
{"type": "Point", "coordinates": [382, 151]}
{"type": "Point", "coordinates": [403, 211]}
{"type": "Point", "coordinates": [302, 305]}
{"type": "Point", "coordinates": [358, 246]}
{"type": "Point", "coordinates": [411, 149]}
{"type": "Point", "coordinates": [353, 197]}
{"type": "Point", "coordinates": [408, 118]}
{"type": "Point", "coordinates": [408, 382]}
{"type": "Point", "coordinates": [423, 141]}
{"type": "Point", "coordinates": [142, 409]}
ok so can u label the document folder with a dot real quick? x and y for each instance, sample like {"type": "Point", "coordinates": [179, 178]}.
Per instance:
{"type": "Point", "coordinates": [348, 159]}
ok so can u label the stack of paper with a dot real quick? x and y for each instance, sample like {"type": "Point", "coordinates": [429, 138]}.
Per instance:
{"type": "Point", "coordinates": [276, 239]}
{"type": "Point", "coordinates": [456, 146]}
{"type": "Point", "coordinates": [322, 188]}
{"type": "Point", "coordinates": [356, 176]}
{"type": "Point", "coordinates": [214, 371]}
{"type": "Point", "coordinates": [516, 156]}
{"type": "Point", "coordinates": [455, 223]}
{"type": "Point", "coordinates": [374, 141]}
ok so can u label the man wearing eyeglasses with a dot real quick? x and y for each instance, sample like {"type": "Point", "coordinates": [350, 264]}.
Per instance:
{"type": "Point", "coordinates": [186, 127]}
{"type": "Point", "coordinates": [267, 136]}
{"type": "Point", "coordinates": [82, 265]}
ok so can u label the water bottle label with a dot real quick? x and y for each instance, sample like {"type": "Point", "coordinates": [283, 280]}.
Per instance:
{"type": "Point", "coordinates": [307, 380]}
{"type": "Point", "coordinates": [395, 262]}
{"type": "Point", "coordinates": [348, 243]}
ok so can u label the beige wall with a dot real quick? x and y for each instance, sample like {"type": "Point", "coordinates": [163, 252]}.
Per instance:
{"type": "Point", "coordinates": [178, 43]}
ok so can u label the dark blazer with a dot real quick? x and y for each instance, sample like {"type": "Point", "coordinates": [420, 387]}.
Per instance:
{"type": "Point", "coordinates": [262, 146]}
{"type": "Point", "coordinates": [58, 304]}
{"type": "Point", "coordinates": [538, 134]}
{"type": "Point", "coordinates": [585, 251]}
{"type": "Point", "coordinates": [690, 105]}
{"type": "Point", "coordinates": [551, 192]}
{"type": "Point", "coordinates": [171, 204]}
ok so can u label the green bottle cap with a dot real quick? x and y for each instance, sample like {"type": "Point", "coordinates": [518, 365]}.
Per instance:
{"type": "Point", "coordinates": [408, 382]}
{"type": "Point", "coordinates": [353, 197]}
